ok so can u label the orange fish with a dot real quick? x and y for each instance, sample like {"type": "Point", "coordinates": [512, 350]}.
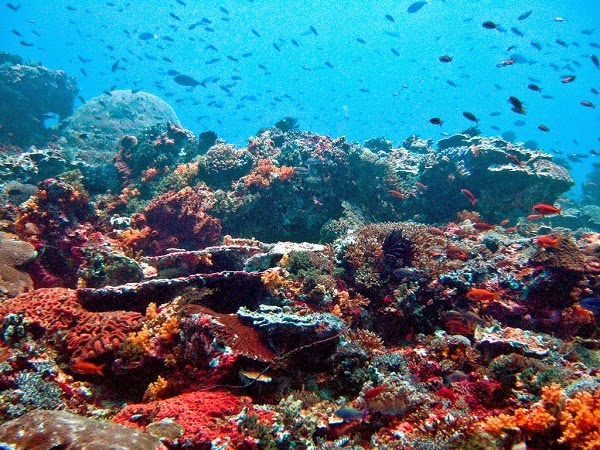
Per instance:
{"type": "Point", "coordinates": [436, 231]}
{"type": "Point", "coordinates": [504, 222]}
{"type": "Point", "coordinates": [482, 295]}
{"type": "Point", "coordinates": [421, 185]}
{"type": "Point", "coordinates": [396, 194]}
{"type": "Point", "coordinates": [467, 193]}
{"type": "Point", "coordinates": [547, 241]}
{"type": "Point", "coordinates": [514, 159]}
{"type": "Point", "coordinates": [456, 253]}
{"type": "Point", "coordinates": [511, 230]}
{"type": "Point", "coordinates": [543, 208]}
{"type": "Point", "coordinates": [87, 368]}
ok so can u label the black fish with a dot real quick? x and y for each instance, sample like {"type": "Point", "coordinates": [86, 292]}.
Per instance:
{"type": "Point", "coordinates": [81, 99]}
{"type": "Point", "coordinates": [328, 64]}
{"type": "Point", "coordinates": [175, 16]}
{"type": "Point", "coordinates": [361, 40]}
{"type": "Point", "coordinates": [313, 30]}
{"type": "Point", "coordinates": [295, 42]}
{"type": "Point", "coordinates": [596, 61]}
{"type": "Point", "coordinates": [146, 36]}
{"type": "Point", "coordinates": [172, 73]}
{"type": "Point", "coordinates": [211, 47]}
{"type": "Point", "coordinates": [515, 102]}
{"type": "Point", "coordinates": [587, 32]}
{"type": "Point", "coordinates": [212, 61]}
{"type": "Point", "coordinates": [489, 25]}
{"type": "Point", "coordinates": [168, 38]}
{"type": "Point", "coordinates": [82, 59]}
{"type": "Point", "coordinates": [181, 2]}
{"type": "Point", "coordinates": [246, 55]}
{"type": "Point", "coordinates": [26, 44]}
{"type": "Point", "coordinates": [534, 87]}
{"type": "Point", "coordinates": [536, 45]}
{"type": "Point", "coordinates": [70, 8]}
{"type": "Point", "coordinates": [594, 91]}
{"type": "Point", "coordinates": [471, 117]}
{"type": "Point", "coordinates": [209, 29]}
{"type": "Point", "coordinates": [451, 83]}
{"type": "Point", "coordinates": [415, 7]}
{"type": "Point", "coordinates": [232, 58]}
{"type": "Point", "coordinates": [185, 80]}
{"type": "Point", "coordinates": [436, 121]}
{"type": "Point", "coordinates": [15, 8]}
{"type": "Point", "coordinates": [277, 47]}
{"type": "Point", "coordinates": [15, 32]}
{"type": "Point", "coordinates": [255, 33]}
{"type": "Point", "coordinates": [524, 15]}
{"type": "Point", "coordinates": [445, 59]}
{"type": "Point", "coordinates": [394, 51]}
{"type": "Point", "coordinates": [390, 18]}
{"type": "Point", "coordinates": [543, 128]}
{"type": "Point", "coordinates": [561, 43]}
{"type": "Point", "coordinates": [115, 66]}
{"type": "Point", "coordinates": [223, 10]}
{"type": "Point", "coordinates": [83, 72]}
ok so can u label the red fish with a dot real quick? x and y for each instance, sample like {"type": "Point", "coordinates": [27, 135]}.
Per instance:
{"type": "Point", "coordinates": [545, 209]}
{"type": "Point", "coordinates": [516, 160]}
{"type": "Point", "coordinates": [87, 368]}
{"type": "Point", "coordinates": [469, 196]}
{"type": "Point", "coordinates": [547, 241]}
{"type": "Point", "coordinates": [504, 222]}
{"type": "Point", "coordinates": [396, 194]}
{"type": "Point", "coordinates": [482, 226]}
{"type": "Point", "coordinates": [421, 185]}
{"type": "Point", "coordinates": [534, 216]}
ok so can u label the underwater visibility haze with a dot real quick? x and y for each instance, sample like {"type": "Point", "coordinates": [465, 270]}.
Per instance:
{"type": "Point", "coordinates": [248, 224]}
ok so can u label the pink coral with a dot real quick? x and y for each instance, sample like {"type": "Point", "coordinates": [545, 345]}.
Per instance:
{"type": "Point", "coordinates": [88, 334]}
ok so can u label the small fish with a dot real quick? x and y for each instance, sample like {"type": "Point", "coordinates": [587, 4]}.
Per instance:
{"type": "Point", "coordinates": [407, 274]}
{"type": "Point", "coordinates": [175, 16]}
{"type": "Point", "coordinates": [525, 15]}
{"type": "Point", "coordinates": [517, 32]}
{"type": "Point", "coordinates": [277, 47]}
{"type": "Point", "coordinates": [591, 304]}
{"type": "Point", "coordinates": [70, 8]}
{"type": "Point", "coordinates": [181, 2]}
{"type": "Point", "coordinates": [587, 103]}
{"type": "Point", "coordinates": [313, 30]}
{"type": "Point", "coordinates": [547, 241]}
{"type": "Point", "coordinates": [445, 59]}
{"type": "Point", "coordinates": [534, 87]}
{"type": "Point", "coordinates": [186, 80]}
{"type": "Point", "coordinates": [482, 295]}
{"type": "Point", "coordinates": [470, 196]}
{"type": "Point", "coordinates": [87, 368]}
{"type": "Point", "coordinates": [596, 61]}
{"type": "Point", "coordinates": [390, 18]}
{"type": "Point", "coordinates": [483, 226]}
{"type": "Point", "coordinates": [396, 194]}
{"type": "Point", "coordinates": [559, 19]}
{"type": "Point", "coordinates": [545, 209]}
{"type": "Point", "coordinates": [223, 10]}
{"type": "Point", "coordinates": [451, 83]}
{"type": "Point", "coordinates": [489, 25]}
{"type": "Point", "coordinates": [115, 66]}
{"type": "Point", "coordinates": [561, 43]}
{"type": "Point", "coordinates": [470, 116]}
{"type": "Point", "coordinates": [543, 128]}
{"type": "Point", "coordinates": [294, 42]}
{"type": "Point", "coordinates": [568, 79]}
{"type": "Point", "coordinates": [26, 44]}
{"type": "Point", "coordinates": [328, 64]}
{"type": "Point", "coordinates": [146, 36]}
{"type": "Point", "coordinates": [361, 41]}
{"type": "Point", "coordinates": [413, 8]}
{"type": "Point", "coordinates": [536, 45]}
{"type": "Point", "coordinates": [517, 105]}
{"type": "Point", "coordinates": [255, 33]}
{"type": "Point", "coordinates": [15, 32]}
{"type": "Point", "coordinates": [350, 413]}
{"type": "Point", "coordinates": [534, 217]}
{"type": "Point", "coordinates": [394, 51]}
{"type": "Point", "coordinates": [436, 121]}
{"type": "Point", "coordinates": [15, 8]}
{"type": "Point", "coordinates": [506, 62]}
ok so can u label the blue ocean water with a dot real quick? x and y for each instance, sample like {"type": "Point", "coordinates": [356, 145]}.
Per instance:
{"type": "Point", "coordinates": [361, 69]}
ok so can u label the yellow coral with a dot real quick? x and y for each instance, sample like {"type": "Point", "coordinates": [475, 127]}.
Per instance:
{"type": "Point", "coordinates": [169, 329]}
{"type": "Point", "coordinates": [156, 389]}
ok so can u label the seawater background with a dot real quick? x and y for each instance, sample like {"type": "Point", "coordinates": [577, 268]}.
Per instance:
{"type": "Point", "coordinates": [369, 92]}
